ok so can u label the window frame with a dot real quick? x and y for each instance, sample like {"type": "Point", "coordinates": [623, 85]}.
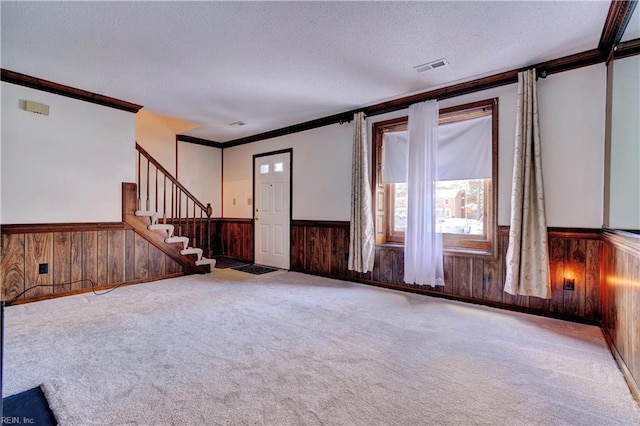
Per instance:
{"type": "Point", "coordinates": [453, 244]}
{"type": "Point", "coordinates": [392, 235]}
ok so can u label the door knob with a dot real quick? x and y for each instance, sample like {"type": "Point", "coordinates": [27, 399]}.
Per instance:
{"type": "Point", "coordinates": [256, 218]}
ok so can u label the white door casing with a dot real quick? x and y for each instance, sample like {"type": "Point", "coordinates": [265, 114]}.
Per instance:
{"type": "Point", "coordinates": [272, 209]}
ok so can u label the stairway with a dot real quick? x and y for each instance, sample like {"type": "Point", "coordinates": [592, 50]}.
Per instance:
{"type": "Point", "coordinates": [173, 207]}
{"type": "Point", "coordinates": [167, 232]}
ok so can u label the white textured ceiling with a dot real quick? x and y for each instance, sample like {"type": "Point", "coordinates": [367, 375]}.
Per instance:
{"type": "Point", "coordinates": [275, 64]}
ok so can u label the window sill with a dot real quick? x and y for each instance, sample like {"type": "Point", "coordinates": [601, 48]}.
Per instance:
{"type": "Point", "coordinates": [469, 253]}
{"type": "Point", "coordinates": [446, 251]}
{"type": "Point", "coordinates": [397, 246]}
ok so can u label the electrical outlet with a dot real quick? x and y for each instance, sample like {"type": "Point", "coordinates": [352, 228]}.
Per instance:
{"type": "Point", "coordinates": [570, 284]}
{"type": "Point", "coordinates": [43, 268]}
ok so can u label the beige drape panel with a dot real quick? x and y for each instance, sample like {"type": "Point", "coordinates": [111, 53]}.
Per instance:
{"type": "Point", "coordinates": [528, 255]}
{"type": "Point", "coordinates": [362, 239]}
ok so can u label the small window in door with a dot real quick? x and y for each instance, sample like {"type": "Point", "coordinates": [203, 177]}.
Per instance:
{"type": "Point", "coordinates": [278, 167]}
{"type": "Point", "coordinates": [264, 169]}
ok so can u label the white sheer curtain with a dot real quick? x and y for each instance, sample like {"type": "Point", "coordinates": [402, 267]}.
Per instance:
{"type": "Point", "coordinates": [362, 242]}
{"type": "Point", "coordinates": [528, 254]}
{"type": "Point", "coordinates": [423, 263]}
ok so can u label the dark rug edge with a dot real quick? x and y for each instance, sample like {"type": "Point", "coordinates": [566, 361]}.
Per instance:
{"type": "Point", "coordinates": [29, 407]}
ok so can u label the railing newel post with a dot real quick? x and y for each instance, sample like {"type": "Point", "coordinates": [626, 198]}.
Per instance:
{"type": "Point", "coordinates": [208, 240]}
{"type": "Point", "coordinates": [139, 181]}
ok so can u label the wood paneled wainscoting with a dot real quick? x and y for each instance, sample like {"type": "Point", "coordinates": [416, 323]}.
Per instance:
{"type": "Point", "coordinates": [322, 248]}
{"type": "Point", "coordinates": [106, 253]}
{"type": "Point", "coordinates": [620, 294]}
{"type": "Point", "coordinates": [234, 238]}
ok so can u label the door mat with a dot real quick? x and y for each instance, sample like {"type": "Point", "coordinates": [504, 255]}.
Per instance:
{"type": "Point", "coordinates": [256, 269]}
{"type": "Point", "coordinates": [28, 407]}
{"type": "Point", "coordinates": [226, 262]}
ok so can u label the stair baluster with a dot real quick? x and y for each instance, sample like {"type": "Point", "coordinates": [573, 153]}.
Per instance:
{"type": "Point", "coordinates": [148, 183]}
{"type": "Point", "coordinates": [164, 201]}
{"type": "Point", "coordinates": [156, 190]}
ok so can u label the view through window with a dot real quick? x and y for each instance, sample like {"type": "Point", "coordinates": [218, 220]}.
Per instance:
{"type": "Point", "coordinates": [460, 206]}
{"type": "Point", "coordinates": [465, 212]}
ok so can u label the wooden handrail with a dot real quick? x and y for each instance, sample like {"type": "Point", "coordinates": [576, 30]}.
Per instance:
{"type": "Point", "coordinates": [183, 213]}
{"type": "Point", "coordinates": [164, 171]}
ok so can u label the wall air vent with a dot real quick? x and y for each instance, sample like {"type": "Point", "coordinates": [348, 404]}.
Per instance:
{"type": "Point", "coordinates": [36, 107]}
{"type": "Point", "coordinates": [431, 65]}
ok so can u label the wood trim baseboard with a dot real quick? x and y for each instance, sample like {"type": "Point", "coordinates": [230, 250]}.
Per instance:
{"type": "Point", "coordinates": [68, 91]}
{"type": "Point", "coordinates": [624, 369]}
{"type": "Point", "coordinates": [97, 288]}
{"type": "Point", "coordinates": [62, 227]}
{"type": "Point", "coordinates": [448, 296]}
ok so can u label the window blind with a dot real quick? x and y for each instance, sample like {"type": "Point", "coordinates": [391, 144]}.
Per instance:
{"type": "Point", "coordinates": [464, 151]}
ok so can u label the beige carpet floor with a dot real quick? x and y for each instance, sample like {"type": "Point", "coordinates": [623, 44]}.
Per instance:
{"type": "Point", "coordinates": [293, 349]}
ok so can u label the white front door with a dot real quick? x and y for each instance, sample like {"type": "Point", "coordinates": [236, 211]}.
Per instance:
{"type": "Point", "coordinates": [272, 209]}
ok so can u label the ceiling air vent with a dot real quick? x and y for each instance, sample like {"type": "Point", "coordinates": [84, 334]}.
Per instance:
{"type": "Point", "coordinates": [431, 65]}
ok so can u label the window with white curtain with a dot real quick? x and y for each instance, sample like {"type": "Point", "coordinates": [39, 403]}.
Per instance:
{"type": "Point", "coordinates": [467, 165]}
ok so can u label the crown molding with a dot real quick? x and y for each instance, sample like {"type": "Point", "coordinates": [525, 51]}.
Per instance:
{"type": "Point", "coordinates": [616, 23]}
{"type": "Point", "coordinates": [200, 141]}
{"type": "Point", "coordinates": [68, 91]}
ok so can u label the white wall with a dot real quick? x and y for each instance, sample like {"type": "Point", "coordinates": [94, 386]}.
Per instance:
{"type": "Point", "coordinates": [624, 207]}
{"type": "Point", "coordinates": [200, 171]}
{"type": "Point", "coordinates": [82, 152]}
{"type": "Point", "coordinates": [572, 126]}
{"type": "Point", "coordinates": [65, 167]}
{"type": "Point", "coordinates": [572, 110]}
{"type": "Point", "coordinates": [156, 136]}
{"type": "Point", "coordinates": [199, 167]}
{"type": "Point", "coordinates": [321, 173]}
{"type": "Point", "coordinates": [572, 117]}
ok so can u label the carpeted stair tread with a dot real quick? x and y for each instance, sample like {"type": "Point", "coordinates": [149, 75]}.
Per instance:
{"type": "Point", "coordinates": [161, 227]}
{"type": "Point", "coordinates": [192, 250]}
{"type": "Point", "coordinates": [204, 261]}
{"type": "Point", "coordinates": [183, 240]}
{"type": "Point", "coordinates": [148, 213]}
{"type": "Point", "coordinates": [169, 229]}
